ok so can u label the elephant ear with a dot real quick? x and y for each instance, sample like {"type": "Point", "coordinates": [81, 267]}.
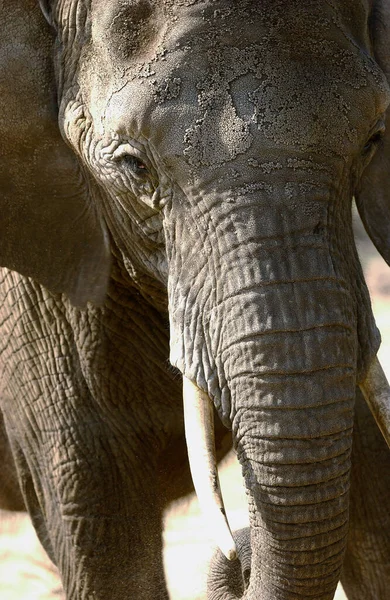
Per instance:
{"type": "Point", "coordinates": [49, 228]}
{"type": "Point", "coordinates": [373, 197]}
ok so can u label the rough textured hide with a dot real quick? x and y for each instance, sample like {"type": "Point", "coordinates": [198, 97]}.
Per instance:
{"type": "Point", "coordinates": [219, 144]}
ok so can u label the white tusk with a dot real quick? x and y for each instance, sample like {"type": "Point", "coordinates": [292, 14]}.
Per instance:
{"type": "Point", "coordinates": [199, 428]}
{"type": "Point", "coordinates": [376, 391]}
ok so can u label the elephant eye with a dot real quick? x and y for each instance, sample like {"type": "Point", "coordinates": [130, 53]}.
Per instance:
{"type": "Point", "coordinates": [373, 142]}
{"type": "Point", "coordinates": [134, 164]}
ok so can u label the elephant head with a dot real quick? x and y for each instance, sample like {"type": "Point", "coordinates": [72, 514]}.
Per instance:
{"type": "Point", "coordinates": [219, 146]}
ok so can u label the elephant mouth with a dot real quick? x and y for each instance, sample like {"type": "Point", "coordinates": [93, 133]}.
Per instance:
{"type": "Point", "coordinates": [199, 427]}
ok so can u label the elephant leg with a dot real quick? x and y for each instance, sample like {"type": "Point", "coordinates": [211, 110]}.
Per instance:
{"type": "Point", "coordinates": [100, 524]}
{"type": "Point", "coordinates": [366, 570]}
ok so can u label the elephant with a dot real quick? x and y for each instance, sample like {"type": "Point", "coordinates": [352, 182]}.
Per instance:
{"type": "Point", "coordinates": [177, 179]}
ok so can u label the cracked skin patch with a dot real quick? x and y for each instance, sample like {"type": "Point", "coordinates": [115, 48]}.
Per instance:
{"type": "Point", "coordinates": [219, 136]}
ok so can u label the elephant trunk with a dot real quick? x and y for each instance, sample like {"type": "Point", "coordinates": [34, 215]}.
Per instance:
{"type": "Point", "coordinates": [298, 499]}
{"type": "Point", "coordinates": [228, 579]}
{"type": "Point", "coordinates": [292, 392]}
{"type": "Point", "coordinates": [276, 336]}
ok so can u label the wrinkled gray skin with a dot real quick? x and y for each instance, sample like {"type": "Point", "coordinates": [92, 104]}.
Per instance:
{"type": "Point", "coordinates": [214, 148]}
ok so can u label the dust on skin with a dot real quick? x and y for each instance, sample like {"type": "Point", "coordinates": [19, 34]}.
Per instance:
{"type": "Point", "coordinates": [283, 72]}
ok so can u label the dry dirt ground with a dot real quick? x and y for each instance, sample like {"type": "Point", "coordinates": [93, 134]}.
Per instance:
{"type": "Point", "coordinates": [26, 573]}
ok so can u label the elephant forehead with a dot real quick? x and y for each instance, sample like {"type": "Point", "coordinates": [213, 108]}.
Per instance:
{"type": "Point", "coordinates": [314, 98]}
{"type": "Point", "coordinates": [215, 76]}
